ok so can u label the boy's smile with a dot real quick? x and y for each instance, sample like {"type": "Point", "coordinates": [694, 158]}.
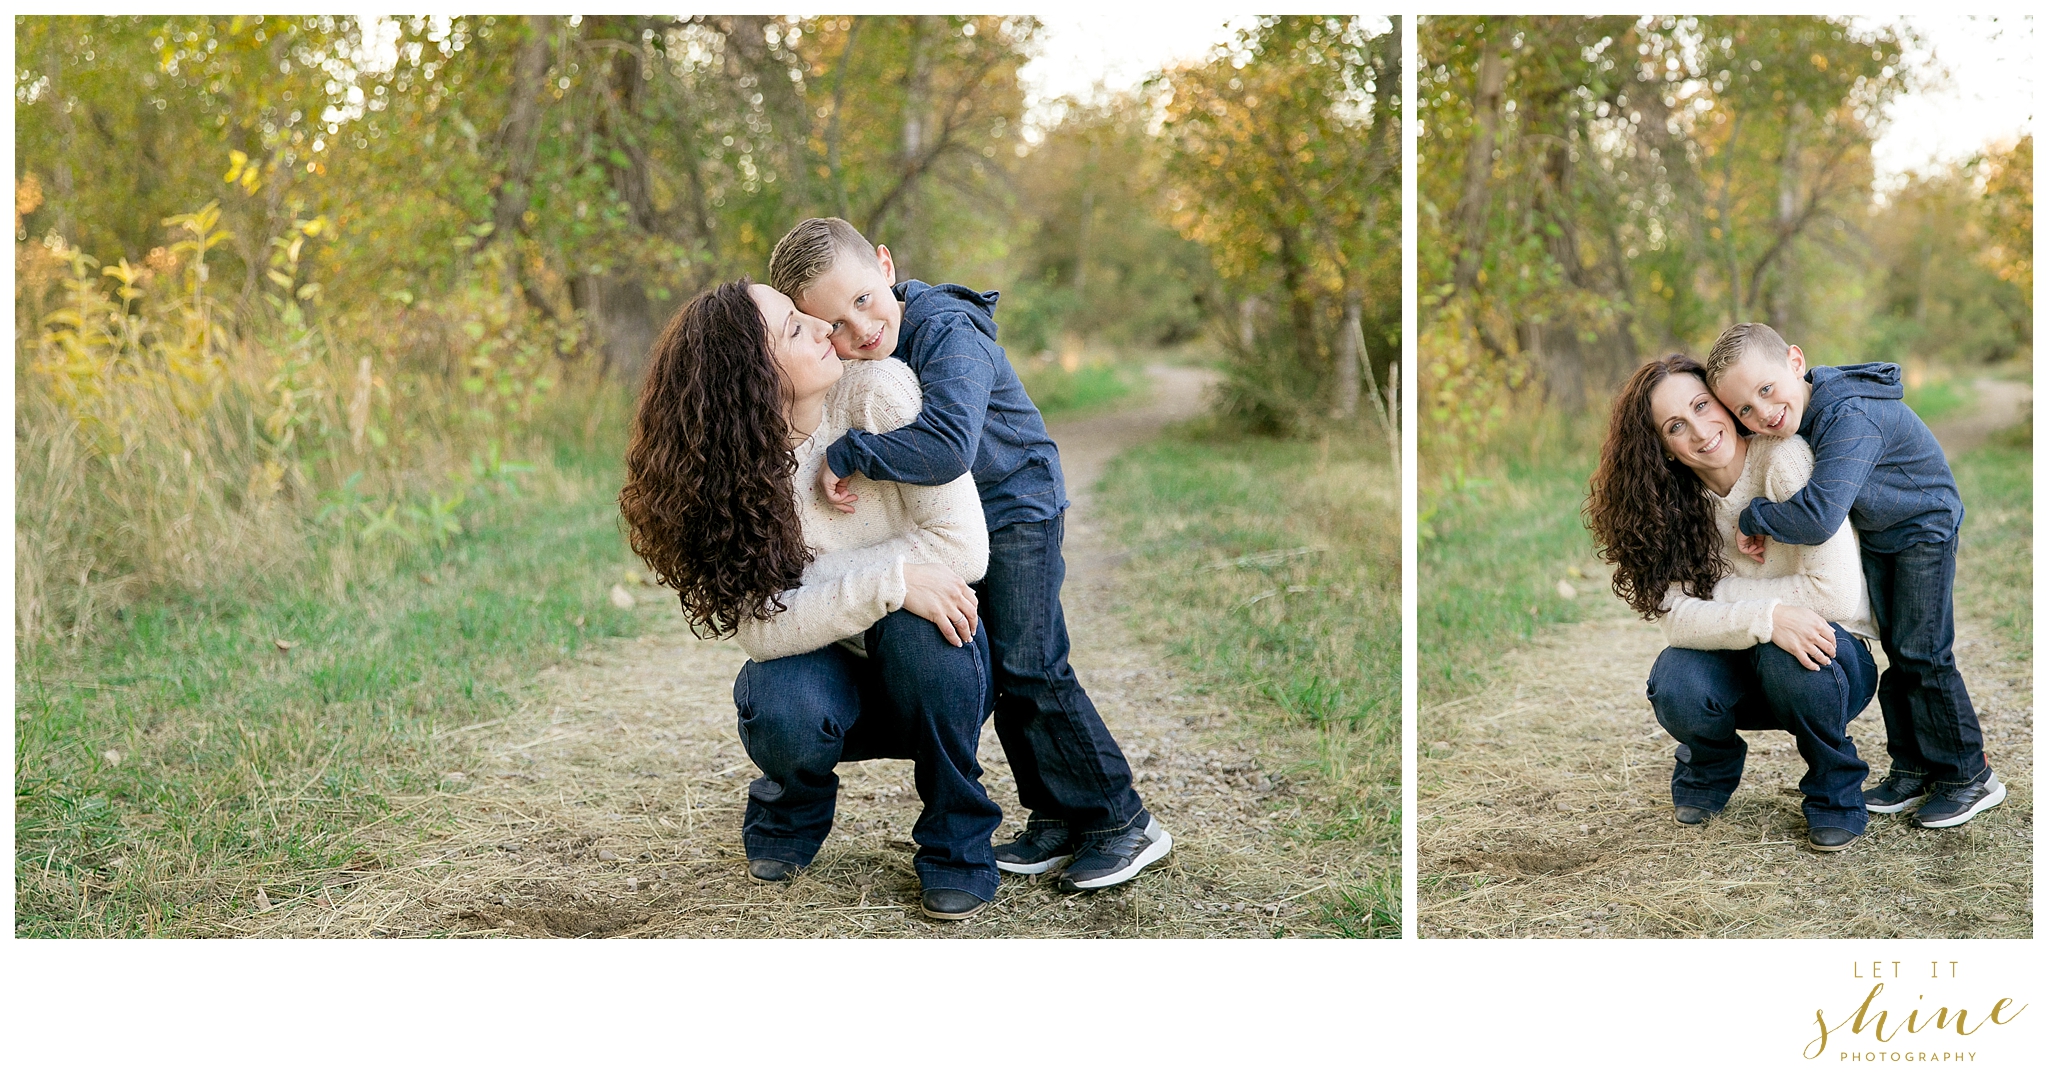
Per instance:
{"type": "Point", "coordinates": [1767, 395]}
{"type": "Point", "coordinates": [855, 298]}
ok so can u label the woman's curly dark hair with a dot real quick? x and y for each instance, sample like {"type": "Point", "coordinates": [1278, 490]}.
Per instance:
{"type": "Point", "coordinates": [1650, 515]}
{"type": "Point", "coordinates": [709, 501]}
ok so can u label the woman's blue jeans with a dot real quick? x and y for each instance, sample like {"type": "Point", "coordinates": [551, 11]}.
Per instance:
{"type": "Point", "coordinates": [914, 697]}
{"type": "Point", "coordinates": [1703, 698]}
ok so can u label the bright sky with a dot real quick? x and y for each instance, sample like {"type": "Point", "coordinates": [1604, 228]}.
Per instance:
{"type": "Point", "coordinates": [1116, 49]}
{"type": "Point", "coordinates": [1980, 70]}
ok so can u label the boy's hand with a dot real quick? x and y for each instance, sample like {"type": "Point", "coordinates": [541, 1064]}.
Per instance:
{"type": "Point", "coordinates": [836, 491]}
{"type": "Point", "coordinates": [1753, 546]}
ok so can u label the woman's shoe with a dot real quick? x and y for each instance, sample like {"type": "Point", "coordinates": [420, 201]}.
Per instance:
{"type": "Point", "coordinates": [771, 870]}
{"type": "Point", "coordinates": [951, 904]}
{"type": "Point", "coordinates": [1690, 814]}
{"type": "Point", "coordinates": [1829, 840]}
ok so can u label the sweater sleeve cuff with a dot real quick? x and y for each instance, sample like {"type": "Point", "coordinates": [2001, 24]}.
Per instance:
{"type": "Point", "coordinates": [1762, 624]}
{"type": "Point", "coordinates": [1749, 524]}
{"type": "Point", "coordinates": [839, 456]}
{"type": "Point", "coordinates": [894, 586]}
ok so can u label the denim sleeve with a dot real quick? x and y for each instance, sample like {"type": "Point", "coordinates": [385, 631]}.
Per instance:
{"type": "Point", "coordinates": [939, 446]}
{"type": "Point", "coordinates": [1843, 456]}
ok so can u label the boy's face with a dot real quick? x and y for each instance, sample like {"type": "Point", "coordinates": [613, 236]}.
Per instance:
{"type": "Point", "coordinates": [854, 297]}
{"type": "Point", "coordinates": [1767, 395]}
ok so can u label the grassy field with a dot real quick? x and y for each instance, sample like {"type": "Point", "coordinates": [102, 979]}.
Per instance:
{"type": "Point", "coordinates": [1494, 542]}
{"type": "Point", "coordinates": [185, 765]}
{"type": "Point", "coordinates": [1272, 570]}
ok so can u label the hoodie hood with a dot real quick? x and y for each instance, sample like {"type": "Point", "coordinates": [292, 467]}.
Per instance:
{"type": "Point", "coordinates": [923, 304]}
{"type": "Point", "coordinates": [1834, 384]}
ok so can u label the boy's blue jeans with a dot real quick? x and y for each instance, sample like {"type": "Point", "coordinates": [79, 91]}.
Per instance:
{"type": "Point", "coordinates": [1068, 766]}
{"type": "Point", "coordinates": [1929, 726]}
{"type": "Point", "coordinates": [914, 697]}
{"type": "Point", "coordinates": [1703, 698]}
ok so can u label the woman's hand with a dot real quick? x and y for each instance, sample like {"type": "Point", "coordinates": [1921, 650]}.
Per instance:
{"type": "Point", "coordinates": [1804, 634]}
{"type": "Point", "coordinates": [939, 596]}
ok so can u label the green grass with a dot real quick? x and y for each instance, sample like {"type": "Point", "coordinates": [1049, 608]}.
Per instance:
{"type": "Point", "coordinates": [1494, 542]}
{"type": "Point", "coordinates": [1272, 569]}
{"type": "Point", "coordinates": [170, 767]}
{"type": "Point", "coordinates": [1995, 568]}
{"type": "Point", "coordinates": [1936, 399]}
{"type": "Point", "coordinates": [1091, 387]}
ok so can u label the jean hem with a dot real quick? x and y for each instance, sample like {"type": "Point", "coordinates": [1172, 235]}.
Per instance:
{"type": "Point", "coordinates": [796, 854]}
{"type": "Point", "coordinates": [981, 884]}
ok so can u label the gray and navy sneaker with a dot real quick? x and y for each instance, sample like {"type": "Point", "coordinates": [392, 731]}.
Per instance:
{"type": "Point", "coordinates": [1946, 809]}
{"type": "Point", "coordinates": [1898, 793]}
{"type": "Point", "coordinates": [1041, 847]}
{"type": "Point", "coordinates": [1116, 857]}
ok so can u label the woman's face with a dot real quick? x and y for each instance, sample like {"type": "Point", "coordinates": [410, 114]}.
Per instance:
{"type": "Point", "coordinates": [802, 345]}
{"type": "Point", "coordinates": [1694, 426]}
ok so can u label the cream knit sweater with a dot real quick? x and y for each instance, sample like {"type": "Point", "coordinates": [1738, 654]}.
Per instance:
{"type": "Point", "coordinates": [1827, 579]}
{"type": "Point", "coordinates": [856, 577]}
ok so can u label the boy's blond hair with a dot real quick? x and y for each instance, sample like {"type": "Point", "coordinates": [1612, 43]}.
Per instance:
{"type": "Point", "coordinates": [1740, 340]}
{"type": "Point", "coordinates": [807, 252]}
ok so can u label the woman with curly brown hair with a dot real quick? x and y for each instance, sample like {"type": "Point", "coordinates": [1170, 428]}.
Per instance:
{"type": "Point", "coordinates": [861, 626]}
{"type": "Point", "coordinates": [1770, 645]}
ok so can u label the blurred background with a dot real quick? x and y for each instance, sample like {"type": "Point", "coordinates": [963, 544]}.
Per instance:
{"type": "Point", "coordinates": [1598, 191]}
{"type": "Point", "coordinates": [372, 247]}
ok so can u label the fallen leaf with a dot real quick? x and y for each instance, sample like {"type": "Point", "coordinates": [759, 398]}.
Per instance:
{"type": "Point", "coordinates": [1565, 589]}
{"type": "Point", "coordinates": [622, 599]}
{"type": "Point", "coordinates": [262, 900]}
{"type": "Point", "coordinates": [579, 622]}
{"type": "Point", "coordinates": [633, 577]}
{"type": "Point", "coordinates": [284, 645]}
{"type": "Point", "coordinates": [112, 756]}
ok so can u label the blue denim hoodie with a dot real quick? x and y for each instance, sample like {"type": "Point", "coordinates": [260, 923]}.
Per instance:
{"type": "Point", "coordinates": [976, 414]}
{"type": "Point", "coordinates": [1874, 462]}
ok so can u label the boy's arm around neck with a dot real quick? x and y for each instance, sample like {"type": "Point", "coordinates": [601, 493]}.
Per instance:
{"type": "Point", "coordinates": [939, 446]}
{"type": "Point", "coordinates": [1846, 446]}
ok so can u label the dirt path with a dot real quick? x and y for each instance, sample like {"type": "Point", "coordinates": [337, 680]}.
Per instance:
{"type": "Point", "coordinates": [610, 804]}
{"type": "Point", "coordinates": [1545, 805]}
{"type": "Point", "coordinates": [1998, 404]}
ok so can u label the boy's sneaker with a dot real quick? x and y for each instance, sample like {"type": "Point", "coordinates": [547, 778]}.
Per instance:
{"type": "Point", "coordinates": [1946, 809]}
{"type": "Point", "coordinates": [1898, 793]}
{"type": "Point", "coordinates": [1116, 858]}
{"type": "Point", "coordinates": [1041, 847]}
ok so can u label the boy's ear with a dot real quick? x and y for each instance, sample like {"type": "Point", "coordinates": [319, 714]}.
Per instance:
{"type": "Point", "coordinates": [1796, 358]}
{"type": "Point", "coordinates": [888, 264]}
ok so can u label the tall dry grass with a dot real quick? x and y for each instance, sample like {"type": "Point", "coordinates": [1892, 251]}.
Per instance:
{"type": "Point", "coordinates": [167, 441]}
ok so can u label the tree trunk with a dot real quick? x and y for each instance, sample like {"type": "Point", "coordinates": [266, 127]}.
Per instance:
{"type": "Point", "coordinates": [520, 135]}
{"type": "Point", "coordinates": [1783, 296]}
{"type": "Point", "coordinates": [832, 131]}
{"type": "Point", "coordinates": [917, 88]}
{"type": "Point", "coordinates": [1473, 202]}
{"type": "Point", "coordinates": [1349, 345]}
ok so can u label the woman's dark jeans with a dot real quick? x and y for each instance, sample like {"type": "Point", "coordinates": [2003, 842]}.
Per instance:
{"type": "Point", "coordinates": [1067, 764]}
{"type": "Point", "coordinates": [1704, 698]}
{"type": "Point", "coordinates": [915, 697]}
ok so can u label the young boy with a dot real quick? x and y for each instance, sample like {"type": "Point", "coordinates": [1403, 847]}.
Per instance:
{"type": "Point", "coordinates": [1070, 774]}
{"type": "Point", "coordinates": [1878, 464]}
